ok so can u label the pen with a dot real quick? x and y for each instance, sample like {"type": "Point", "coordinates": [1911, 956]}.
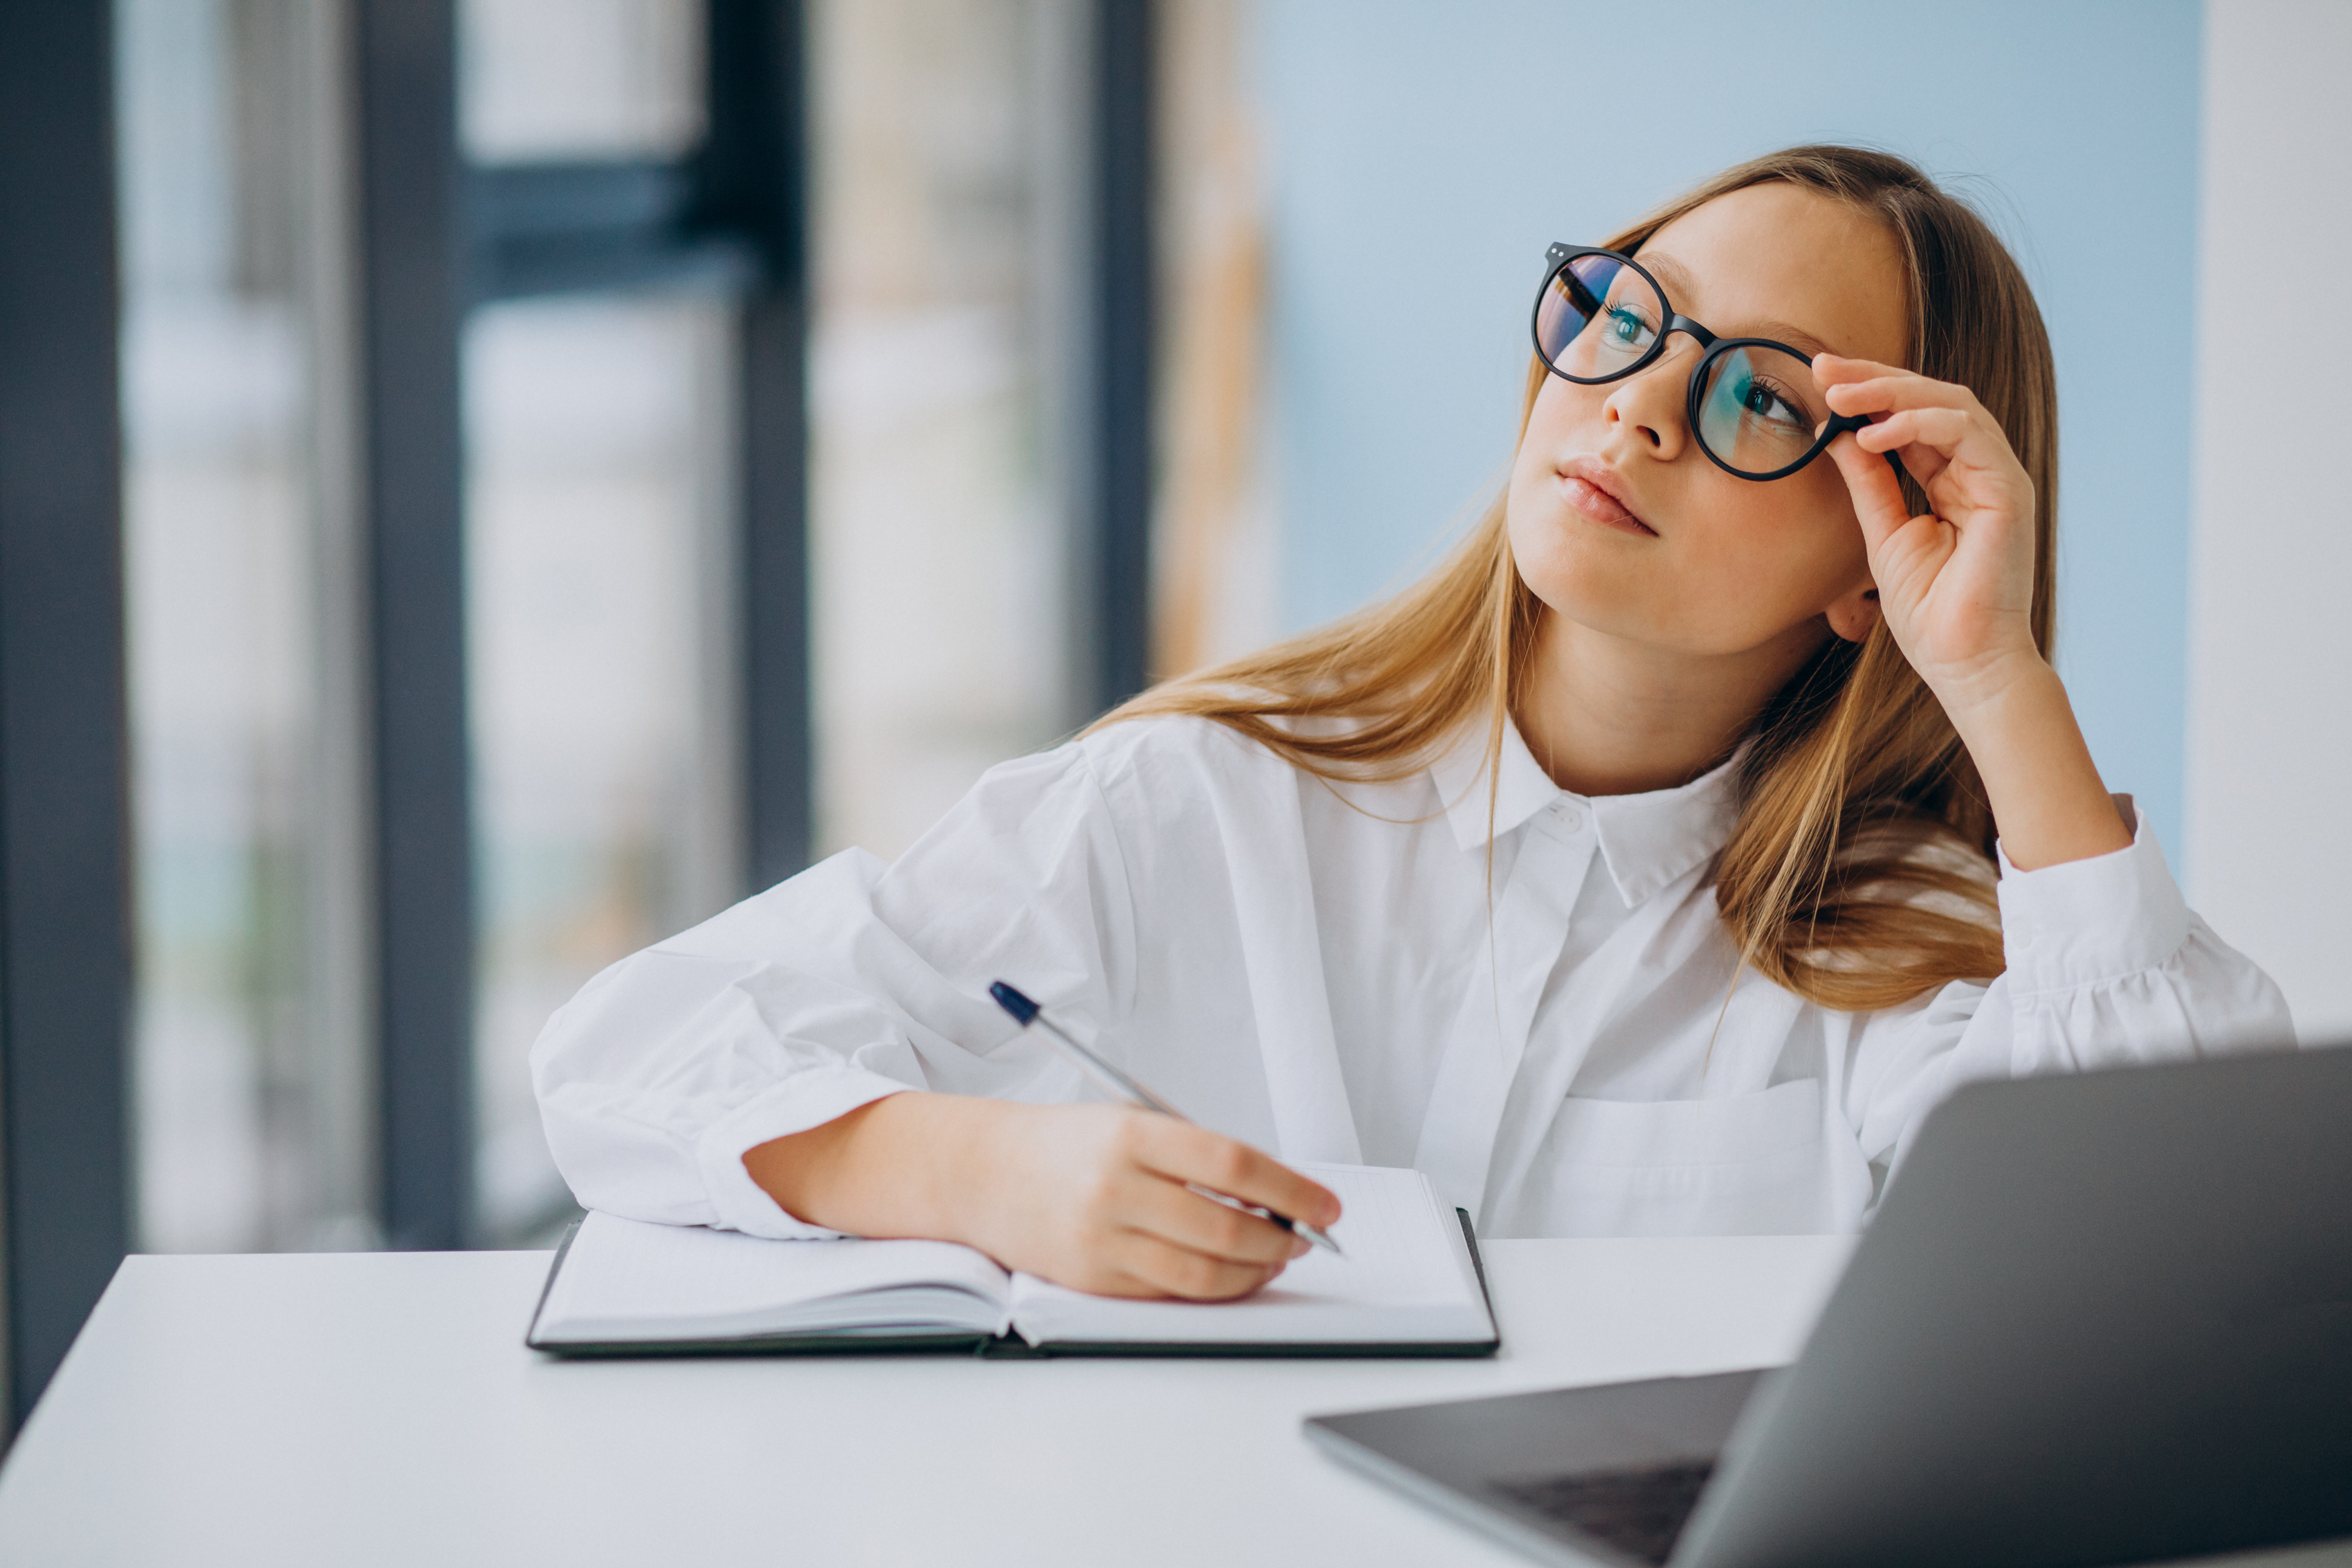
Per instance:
{"type": "Point", "coordinates": [1026, 1012]}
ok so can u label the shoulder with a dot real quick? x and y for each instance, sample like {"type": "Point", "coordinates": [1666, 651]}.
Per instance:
{"type": "Point", "coordinates": [1166, 747]}
{"type": "Point", "coordinates": [1143, 766]}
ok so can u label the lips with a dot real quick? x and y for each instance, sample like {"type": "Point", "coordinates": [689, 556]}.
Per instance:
{"type": "Point", "coordinates": [1594, 488]}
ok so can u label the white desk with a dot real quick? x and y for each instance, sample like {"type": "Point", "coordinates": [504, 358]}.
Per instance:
{"type": "Point", "coordinates": [374, 1409]}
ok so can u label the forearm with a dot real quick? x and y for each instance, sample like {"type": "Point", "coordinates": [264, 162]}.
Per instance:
{"type": "Point", "coordinates": [2045, 792]}
{"type": "Point", "coordinates": [1099, 1197]}
{"type": "Point", "coordinates": [884, 1169]}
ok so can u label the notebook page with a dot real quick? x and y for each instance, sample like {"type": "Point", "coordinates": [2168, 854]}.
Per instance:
{"type": "Point", "coordinates": [1405, 1278]}
{"type": "Point", "coordinates": [626, 1280]}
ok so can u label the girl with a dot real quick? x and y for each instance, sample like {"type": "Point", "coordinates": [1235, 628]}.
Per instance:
{"type": "Point", "coordinates": [1651, 867]}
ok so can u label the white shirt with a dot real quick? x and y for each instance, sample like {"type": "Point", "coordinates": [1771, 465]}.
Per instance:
{"type": "Point", "coordinates": [1316, 970]}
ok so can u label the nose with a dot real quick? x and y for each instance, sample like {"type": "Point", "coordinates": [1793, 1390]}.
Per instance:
{"type": "Point", "coordinates": [1649, 405]}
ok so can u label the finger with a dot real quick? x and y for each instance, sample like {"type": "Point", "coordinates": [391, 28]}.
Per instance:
{"type": "Point", "coordinates": [1878, 502]}
{"type": "Point", "coordinates": [1942, 428]}
{"type": "Point", "coordinates": [1185, 1153]}
{"type": "Point", "coordinates": [1172, 1270]}
{"type": "Point", "coordinates": [1178, 1214]}
{"type": "Point", "coordinates": [1835, 370]}
{"type": "Point", "coordinates": [1887, 394]}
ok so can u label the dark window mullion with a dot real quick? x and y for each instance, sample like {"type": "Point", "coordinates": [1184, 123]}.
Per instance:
{"type": "Point", "coordinates": [64, 959]}
{"type": "Point", "coordinates": [754, 185]}
{"type": "Point", "coordinates": [412, 257]}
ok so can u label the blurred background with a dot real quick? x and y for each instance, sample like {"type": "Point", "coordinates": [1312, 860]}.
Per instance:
{"type": "Point", "coordinates": [562, 465]}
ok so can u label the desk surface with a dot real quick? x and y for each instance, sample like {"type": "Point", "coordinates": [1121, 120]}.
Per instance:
{"type": "Point", "coordinates": [364, 1408]}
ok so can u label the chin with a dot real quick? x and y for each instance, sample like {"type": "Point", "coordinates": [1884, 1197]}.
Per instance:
{"type": "Point", "coordinates": [1602, 597]}
{"type": "Point", "coordinates": [1560, 545]}
{"type": "Point", "coordinates": [1588, 594]}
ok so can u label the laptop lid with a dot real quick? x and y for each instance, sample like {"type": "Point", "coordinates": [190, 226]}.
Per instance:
{"type": "Point", "coordinates": [2104, 1318]}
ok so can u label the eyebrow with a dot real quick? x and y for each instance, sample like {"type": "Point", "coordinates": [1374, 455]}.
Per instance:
{"type": "Point", "coordinates": [1676, 275]}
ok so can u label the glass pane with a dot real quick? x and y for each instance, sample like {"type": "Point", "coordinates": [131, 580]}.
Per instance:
{"type": "Point", "coordinates": [937, 552]}
{"type": "Point", "coordinates": [544, 79]}
{"type": "Point", "coordinates": [249, 1128]}
{"type": "Point", "coordinates": [600, 646]}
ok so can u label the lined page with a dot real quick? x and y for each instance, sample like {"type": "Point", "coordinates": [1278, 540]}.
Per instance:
{"type": "Point", "coordinates": [626, 1280]}
{"type": "Point", "coordinates": [1406, 1278]}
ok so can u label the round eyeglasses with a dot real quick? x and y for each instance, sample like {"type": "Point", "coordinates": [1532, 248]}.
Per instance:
{"type": "Point", "coordinates": [1752, 402]}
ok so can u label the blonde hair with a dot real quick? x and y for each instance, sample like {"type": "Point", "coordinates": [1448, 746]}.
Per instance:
{"type": "Point", "coordinates": [1839, 881]}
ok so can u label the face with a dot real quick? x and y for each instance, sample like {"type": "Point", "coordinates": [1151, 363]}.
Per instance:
{"type": "Point", "coordinates": [1621, 524]}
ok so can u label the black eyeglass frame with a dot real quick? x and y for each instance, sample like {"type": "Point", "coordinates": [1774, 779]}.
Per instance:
{"type": "Point", "coordinates": [1712, 347]}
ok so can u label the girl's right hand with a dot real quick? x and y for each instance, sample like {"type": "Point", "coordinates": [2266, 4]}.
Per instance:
{"type": "Point", "coordinates": [1096, 1198]}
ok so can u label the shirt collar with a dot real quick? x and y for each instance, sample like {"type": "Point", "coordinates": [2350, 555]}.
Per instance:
{"type": "Point", "coordinates": [1647, 841]}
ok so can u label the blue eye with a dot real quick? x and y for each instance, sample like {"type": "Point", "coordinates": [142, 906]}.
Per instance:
{"type": "Point", "coordinates": [1758, 399]}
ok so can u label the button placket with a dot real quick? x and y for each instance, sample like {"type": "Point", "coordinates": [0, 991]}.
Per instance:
{"type": "Point", "coordinates": [1489, 1037]}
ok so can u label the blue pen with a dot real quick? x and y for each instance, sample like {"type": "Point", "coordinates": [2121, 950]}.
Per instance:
{"type": "Point", "coordinates": [1026, 1012]}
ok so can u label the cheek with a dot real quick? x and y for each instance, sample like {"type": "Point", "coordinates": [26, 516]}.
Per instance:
{"type": "Point", "coordinates": [1561, 408]}
{"type": "Point", "coordinates": [1566, 418]}
{"type": "Point", "coordinates": [1818, 537]}
{"type": "Point", "coordinates": [1790, 554]}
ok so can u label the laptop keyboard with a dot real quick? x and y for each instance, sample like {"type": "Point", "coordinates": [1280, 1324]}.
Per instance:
{"type": "Point", "coordinates": [1639, 1512]}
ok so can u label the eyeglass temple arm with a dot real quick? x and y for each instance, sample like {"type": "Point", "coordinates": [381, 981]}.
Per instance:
{"type": "Point", "coordinates": [1841, 424]}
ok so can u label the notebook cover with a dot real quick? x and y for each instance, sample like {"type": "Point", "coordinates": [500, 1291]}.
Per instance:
{"type": "Point", "coordinates": [1011, 1347]}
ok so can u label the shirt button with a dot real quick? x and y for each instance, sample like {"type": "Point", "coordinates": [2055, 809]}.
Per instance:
{"type": "Point", "coordinates": [1567, 816]}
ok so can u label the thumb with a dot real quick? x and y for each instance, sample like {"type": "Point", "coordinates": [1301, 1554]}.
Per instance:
{"type": "Point", "coordinates": [1877, 495]}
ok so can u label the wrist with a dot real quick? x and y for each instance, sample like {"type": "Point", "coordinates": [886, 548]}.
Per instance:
{"type": "Point", "coordinates": [2049, 803]}
{"type": "Point", "coordinates": [946, 1154]}
{"type": "Point", "coordinates": [921, 1165]}
{"type": "Point", "coordinates": [886, 1168]}
{"type": "Point", "coordinates": [1997, 690]}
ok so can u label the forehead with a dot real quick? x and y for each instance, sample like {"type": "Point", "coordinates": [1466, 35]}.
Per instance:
{"type": "Point", "coordinates": [1778, 260]}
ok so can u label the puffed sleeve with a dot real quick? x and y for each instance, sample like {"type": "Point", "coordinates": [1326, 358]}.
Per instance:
{"type": "Point", "coordinates": [2107, 966]}
{"type": "Point", "coordinates": [848, 982]}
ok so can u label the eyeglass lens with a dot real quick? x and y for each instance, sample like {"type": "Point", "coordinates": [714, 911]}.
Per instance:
{"type": "Point", "coordinates": [1597, 318]}
{"type": "Point", "coordinates": [1759, 410]}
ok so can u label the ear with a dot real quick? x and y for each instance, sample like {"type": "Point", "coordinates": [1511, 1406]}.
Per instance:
{"type": "Point", "coordinates": [1854, 614]}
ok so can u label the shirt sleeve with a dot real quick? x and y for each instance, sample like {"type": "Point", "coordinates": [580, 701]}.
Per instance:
{"type": "Point", "coordinates": [846, 983]}
{"type": "Point", "coordinates": [2108, 965]}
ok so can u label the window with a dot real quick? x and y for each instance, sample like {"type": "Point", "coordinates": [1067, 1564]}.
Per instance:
{"type": "Point", "coordinates": [249, 1106]}
{"type": "Point", "coordinates": [598, 426]}
{"type": "Point", "coordinates": [939, 535]}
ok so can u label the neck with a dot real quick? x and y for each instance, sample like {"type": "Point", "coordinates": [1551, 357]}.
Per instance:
{"type": "Point", "coordinates": [1608, 716]}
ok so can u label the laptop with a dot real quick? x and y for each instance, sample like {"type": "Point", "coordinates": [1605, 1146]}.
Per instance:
{"type": "Point", "coordinates": [2099, 1319]}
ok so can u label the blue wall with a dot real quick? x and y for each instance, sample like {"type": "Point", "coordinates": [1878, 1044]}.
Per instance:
{"type": "Point", "coordinates": [1422, 155]}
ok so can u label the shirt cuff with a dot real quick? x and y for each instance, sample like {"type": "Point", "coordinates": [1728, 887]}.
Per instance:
{"type": "Point", "coordinates": [2083, 922]}
{"type": "Point", "coordinates": [807, 1100]}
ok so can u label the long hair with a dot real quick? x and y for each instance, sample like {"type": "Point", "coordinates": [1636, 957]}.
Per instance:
{"type": "Point", "coordinates": [1857, 873]}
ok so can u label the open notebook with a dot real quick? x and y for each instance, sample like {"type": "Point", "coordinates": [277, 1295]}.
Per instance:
{"type": "Point", "coordinates": [1411, 1284]}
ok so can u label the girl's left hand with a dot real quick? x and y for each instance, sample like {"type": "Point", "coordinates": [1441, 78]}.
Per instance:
{"type": "Point", "coordinates": [1957, 590]}
{"type": "Point", "coordinates": [1956, 586]}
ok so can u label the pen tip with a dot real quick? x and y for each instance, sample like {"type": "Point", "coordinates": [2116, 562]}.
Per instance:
{"type": "Point", "coordinates": [1022, 1009]}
